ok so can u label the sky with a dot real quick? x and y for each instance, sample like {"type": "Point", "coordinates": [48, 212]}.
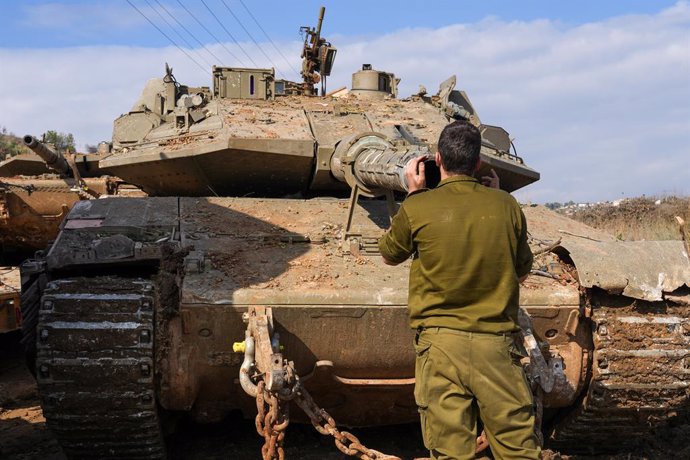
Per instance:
{"type": "Point", "coordinates": [596, 94]}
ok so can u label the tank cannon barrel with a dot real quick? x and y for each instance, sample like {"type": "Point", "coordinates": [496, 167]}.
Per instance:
{"type": "Point", "coordinates": [373, 163]}
{"type": "Point", "coordinates": [54, 160]}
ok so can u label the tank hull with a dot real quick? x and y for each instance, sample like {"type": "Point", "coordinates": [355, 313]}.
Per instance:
{"type": "Point", "coordinates": [342, 317]}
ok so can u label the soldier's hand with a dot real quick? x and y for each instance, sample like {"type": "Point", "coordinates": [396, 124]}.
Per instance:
{"type": "Point", "coordinates": [414, 173]}
{"type": "Point", "coordinates": [492, 181]}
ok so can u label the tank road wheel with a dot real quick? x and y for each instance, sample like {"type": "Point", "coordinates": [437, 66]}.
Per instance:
{"type": "Point", "coordinates": [95, 367]}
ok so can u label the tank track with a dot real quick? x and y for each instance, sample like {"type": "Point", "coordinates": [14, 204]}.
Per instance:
{"type": "Point", "coordinates": [640, 378]}
{"type": "Point", "coordinates": [29, 303]}
{"type": "Point", "coordinates": [95, 367]}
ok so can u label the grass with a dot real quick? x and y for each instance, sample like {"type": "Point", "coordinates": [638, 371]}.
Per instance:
{"type": "Point", "coordinates": [638, 218]}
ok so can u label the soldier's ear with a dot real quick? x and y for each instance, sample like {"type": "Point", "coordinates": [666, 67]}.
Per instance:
{"type": "Point", "coordinates": [479, 165]}
{"type": "Point", "coordinates": [437, 159]}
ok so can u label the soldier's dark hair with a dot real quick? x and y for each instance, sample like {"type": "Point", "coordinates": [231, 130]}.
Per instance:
{"type": "Point", "coordinates": [459, 146]}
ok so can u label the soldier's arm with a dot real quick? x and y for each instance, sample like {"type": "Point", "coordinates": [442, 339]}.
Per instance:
{"type": "Point", "coordinates": [396, 245]}
{"type": "Point", "coordinates": [523, 261]}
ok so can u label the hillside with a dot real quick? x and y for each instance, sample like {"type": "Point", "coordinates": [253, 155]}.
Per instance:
{"type": "Point", "coordinates": [646, 218]}
{"type": "Point", "coordinates": [10, 145]}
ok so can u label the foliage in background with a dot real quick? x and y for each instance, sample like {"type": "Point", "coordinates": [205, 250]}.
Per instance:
{"type": "Point", "coordinates": [10, 145]}
{"type": "Point", "coordinates": [60, 141]}
{"type": "Point", "coordinates": [647, 218]}
{"type": "Point", "coordinates": [556, 205]}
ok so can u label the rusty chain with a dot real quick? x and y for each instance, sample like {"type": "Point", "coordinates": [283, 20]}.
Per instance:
{"type": "Point", "coordinates": [274, 385]}
{"type": "Point", "coordinates": [346, 442]}
{"type": "Point", "coordinates": [272, 419]}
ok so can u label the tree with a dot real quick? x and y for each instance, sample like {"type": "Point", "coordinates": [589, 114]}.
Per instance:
{"type": "Point", "coordinates": [10, 145]}
{"type": "Point", "coordinates": [61, 141]}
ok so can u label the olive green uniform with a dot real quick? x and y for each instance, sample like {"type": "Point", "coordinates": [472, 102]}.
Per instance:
{"type": "Point", "coordinates": [469, 247]}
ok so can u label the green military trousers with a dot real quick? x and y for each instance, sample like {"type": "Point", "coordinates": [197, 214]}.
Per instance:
{"type": "Point", "coordinates": [462, 375]}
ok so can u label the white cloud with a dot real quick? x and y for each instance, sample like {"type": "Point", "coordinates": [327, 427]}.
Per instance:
{"type": "Point", "coordinates": [83, 17]}
{"type": "Point", "coordinates": [599, 109]}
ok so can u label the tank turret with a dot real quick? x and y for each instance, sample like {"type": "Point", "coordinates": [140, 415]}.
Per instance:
{"type": "Point", "coordinates": [253, 135]}
{"type": "Point", "coordinates": [248, 136]}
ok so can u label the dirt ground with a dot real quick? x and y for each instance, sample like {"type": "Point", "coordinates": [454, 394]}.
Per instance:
{"type": "Point", "coordinates": [24, 435]}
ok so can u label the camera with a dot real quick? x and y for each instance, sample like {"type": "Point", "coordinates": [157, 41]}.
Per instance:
{"type": "Point", "coordinates": [432, 173]}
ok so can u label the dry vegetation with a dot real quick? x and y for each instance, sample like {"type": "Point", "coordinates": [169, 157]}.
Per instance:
{"type": "Point", "coordinates": [10, 145]}
{"type": "Point", "coordinates": [636, 218]}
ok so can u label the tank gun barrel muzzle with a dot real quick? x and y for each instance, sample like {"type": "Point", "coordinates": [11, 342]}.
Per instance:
{"type": "Point", "coordinates": [373, 163]}
{"type": "Point", "coordinates": [54, 160]}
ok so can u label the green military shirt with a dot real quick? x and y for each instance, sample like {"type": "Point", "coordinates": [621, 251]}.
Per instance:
{"type": "Point", "coordinates": [469, 247]}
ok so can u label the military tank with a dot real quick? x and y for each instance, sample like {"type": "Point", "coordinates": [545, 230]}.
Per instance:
{"type": "Point", "coordinates": [38, 189]}
{"type": "Point", "coordinates": [250, 278]}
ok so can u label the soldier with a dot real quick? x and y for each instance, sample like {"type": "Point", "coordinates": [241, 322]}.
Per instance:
{"type": "Point", "coordinates": [469, 251]}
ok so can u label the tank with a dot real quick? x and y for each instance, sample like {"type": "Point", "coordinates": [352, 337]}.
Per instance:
{"type": "Point", "coordinates": [250, 278]}
{"type": "Point", "coordinates": [38, 190]}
